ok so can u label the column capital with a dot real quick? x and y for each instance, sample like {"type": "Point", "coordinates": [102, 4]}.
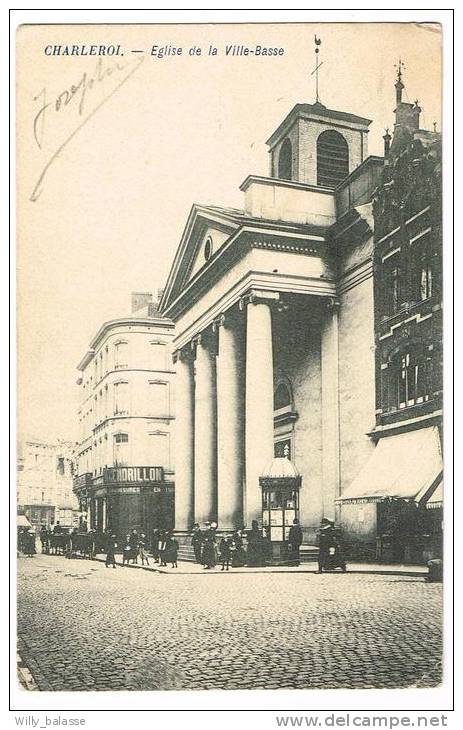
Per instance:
{"type": "Point", "coordinates": [218, 322]}
{"type": "Point", "coordinates": [183, 354]}
{"type": "Point", "coordinates": [195, 341]}
{"type": "Point", "coordinates": [333, 305]}
{"type": "Point", "coordinates": [258, 296]}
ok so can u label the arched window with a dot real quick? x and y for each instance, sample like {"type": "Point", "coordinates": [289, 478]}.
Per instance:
{"type": "Point", "coordinates": [409, 380]}
{"type": "Point", "coordinates": [332, 159]}
{"type": "Point", "coordinates": [285, 163]}
{"type": "Point", "coordinates": [282, 397]}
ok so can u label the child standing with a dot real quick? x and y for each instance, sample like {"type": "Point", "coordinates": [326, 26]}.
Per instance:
{"type": "Point", "coordinates": [225, 552]}
{"type": "Point", "coordinates": [142, 549]}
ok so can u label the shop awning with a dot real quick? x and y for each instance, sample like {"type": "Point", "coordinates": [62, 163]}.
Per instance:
{"type": "Point", "coordinates": [437, 498]}
{"type": "Point", "coordinates": [22, 521]}
{"type": "Point", "coordinates": [404, 466]}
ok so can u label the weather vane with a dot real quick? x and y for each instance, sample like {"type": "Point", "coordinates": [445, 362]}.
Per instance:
{"type": "Point", "coordinates": [317, 65]}
{"type": "Point", "coordinates": [399, 66]}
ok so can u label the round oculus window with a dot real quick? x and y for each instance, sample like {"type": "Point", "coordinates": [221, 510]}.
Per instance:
{"type": "Point", "coordinates": [208, 249]}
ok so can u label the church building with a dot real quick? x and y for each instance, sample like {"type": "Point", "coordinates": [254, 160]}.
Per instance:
{"type": "Point", "coordinates": [276, 339]}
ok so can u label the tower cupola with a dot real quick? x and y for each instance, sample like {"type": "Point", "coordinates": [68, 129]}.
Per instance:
{"type": "Point", "coordinates": [316, 145]}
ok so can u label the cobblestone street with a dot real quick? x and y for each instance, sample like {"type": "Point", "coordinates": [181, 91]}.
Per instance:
{"type": "Point", "coordinates": [82, 626]}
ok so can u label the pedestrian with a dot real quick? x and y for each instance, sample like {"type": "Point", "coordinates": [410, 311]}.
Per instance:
{"type": "Point", "coordinates": [111, 551]}
{"type": "Point", "coordinates": [171, 552]}
{"type": "Point", "coordinates": [58, 530]}
{"type": "Point", "coordinates": [43, 535]}
{"type": "Point", "coordinates": [29, 543]}
{"type": "Point", "coordinates": [225, 551]}
{"type": "Point", "coordinates": [238, 552]}
{"type": "Point", "coordinates": [255, 552]}
{"type": "Point", "coordinates": [330, 554]}
{"type": "Point", "coordinates": [208, 555]}
{"type": "Point", "coordinates": [155, 545]}
{"type": "Point", "coordinates": [133, 538]}
{"type": "Point", "coordinates": [162, 546]}
{"type": "Point", "coordinates": [142, 549]}
{"type": "Point", "coordinates": [295, 542]}
{"type": "Point", "coordinates": [197, 542]}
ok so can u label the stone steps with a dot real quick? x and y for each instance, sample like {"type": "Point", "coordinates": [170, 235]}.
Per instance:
{"type": "Point", "coordinates": [308, 553]}
{"type": "Point", "coordinates": [186, 552]}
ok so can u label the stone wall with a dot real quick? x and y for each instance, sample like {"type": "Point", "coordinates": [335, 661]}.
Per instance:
{"type": "Point", "coordinates": [297, 358]}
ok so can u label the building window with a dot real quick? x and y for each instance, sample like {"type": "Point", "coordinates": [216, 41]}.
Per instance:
{"type": "Point", "coordinates": [121, 352]}
{"type": "Point", "coordinates": [120, 449]}
{"type": "Point", "coordinates": [121, 398]}
{"type": "Point", "coordinates": [392, 286]}
{"type": "Point", "coordinates": [60, 466]}
{"type": "Point", "coordinates": [121, 438]}
{"type": "Point", "coordinates": [160, 449]}
{"type": "Point", "coordinates": [158, 398]}
{"type": "Point", "coordinates": [208, 248]}
{"type": "Point", "coordinates": [424, 283]}
{"type": "Point", "coordinates": [285, 162]}
{"type": "Point", "coordinates": [332, 159]}
{"type": "Point", "coordinates": [409, 379]}
{"type": "Point", "coordinates": [158, 355]}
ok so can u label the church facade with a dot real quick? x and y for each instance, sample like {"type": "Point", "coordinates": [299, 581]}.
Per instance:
{"type": "Point", "coordinates": [277, 338]}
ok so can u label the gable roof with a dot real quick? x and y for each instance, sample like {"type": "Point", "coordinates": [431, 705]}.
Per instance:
{"type": "Point", "coordinates": [231, 218]}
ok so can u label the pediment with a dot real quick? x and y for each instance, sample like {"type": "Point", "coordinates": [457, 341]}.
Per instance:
{"type": "Point", "coordinates": [207, 230]}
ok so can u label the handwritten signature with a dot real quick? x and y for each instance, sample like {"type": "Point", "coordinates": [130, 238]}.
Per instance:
{"type": "Point", "coordinates": [74, 96]}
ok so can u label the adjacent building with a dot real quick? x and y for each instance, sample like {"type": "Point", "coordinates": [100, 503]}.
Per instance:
{"type": "Point", "coordinates": [45, 483]}
{"type": "Point", "coordinates": [282, 340]}
{"type": "Point", "coordinates": [125, 455]}
{"type": "Point", "coordinates": [388, 497]}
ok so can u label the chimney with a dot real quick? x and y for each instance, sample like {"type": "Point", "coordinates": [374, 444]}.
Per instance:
{"type": "Point", "coordinates": [140, 299]}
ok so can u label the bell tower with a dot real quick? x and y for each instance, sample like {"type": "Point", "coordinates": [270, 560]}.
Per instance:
{"type": "Point", "coordinates": [315, 145]}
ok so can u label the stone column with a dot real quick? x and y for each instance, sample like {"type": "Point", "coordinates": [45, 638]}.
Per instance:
{"type": "Point", "coordinates": [229, 424]}
{"type": "Point", "coordinates": [259, 398]}
{"type": "Point", "coordinates": [184, 442]}
{"type": "Point", "coordinates": [330, 408]}
{"type": "Point", "coordinates": [205, 430]}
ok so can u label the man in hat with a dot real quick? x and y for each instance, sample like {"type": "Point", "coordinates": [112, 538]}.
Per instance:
{"type": "Point", "coordinates": [197, 542]}
{"type": "Point", "coordinates": [325, 541]}
{"type": "Point", "coordinates": [111, 551]}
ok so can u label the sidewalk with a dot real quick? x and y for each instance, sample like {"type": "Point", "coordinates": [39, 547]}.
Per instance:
{"type": "Point", "coordinates": [187, 568]}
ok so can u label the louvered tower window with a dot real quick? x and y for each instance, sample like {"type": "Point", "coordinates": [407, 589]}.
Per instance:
{"type": "Point", "coordinates": [285, 161]}
{"type": "Point", "coordinates": [332, 159]}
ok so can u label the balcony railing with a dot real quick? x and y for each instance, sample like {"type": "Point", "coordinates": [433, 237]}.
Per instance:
{"type": "Point", "coordinates": [81, 481]}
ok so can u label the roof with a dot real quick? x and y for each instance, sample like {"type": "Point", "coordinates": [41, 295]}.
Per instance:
{"type": "Point", "coordinates": [318, 110]}
{"type": "Point", "coordinates": [231, 218]}
{"type": "Point", "coordinates": [437, 498]}
{"type": "Point", "coordinates": [403, 466]}
{"type": "Point", "coordinates": [22, 521]}
{"type": "Point", "coordinates": [139, 317]}
{"type": "Point", "coordinates": [280, 468]}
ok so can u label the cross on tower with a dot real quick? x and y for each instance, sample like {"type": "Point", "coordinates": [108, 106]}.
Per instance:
{"type": "Point", "coordinates": [317, 66]}
{"type": "Point", "coordinates": [399, 66]}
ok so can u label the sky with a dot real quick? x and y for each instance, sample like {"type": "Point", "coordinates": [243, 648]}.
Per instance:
{"type": "Point", "coordinates": [113, 157]}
